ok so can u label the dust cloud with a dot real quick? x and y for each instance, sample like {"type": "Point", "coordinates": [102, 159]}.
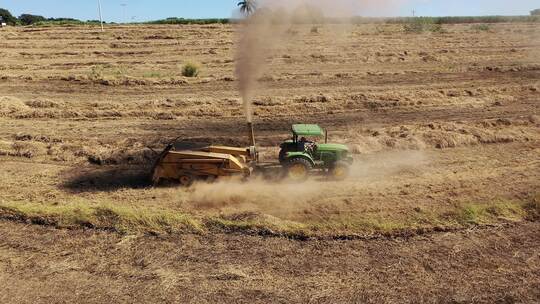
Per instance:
{"type": "Point", "coordinates": [257, 39]}
{"type": "Point", "coordinates": [374, 167]}
{"type": "Point", "coordinates": [284, 198]}
{"type": "Point", "coordinates": [266, 29]}
{"type": "Point", "coordinates": [270, 197]}
{"type": "Point", "coordinates": [262, 34]}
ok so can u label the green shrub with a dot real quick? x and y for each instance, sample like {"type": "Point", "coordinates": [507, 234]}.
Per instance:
{"type": "Point", "coordinates": [96, 72]}
{"type": "Point", "coordinates": [422, 24]}
{"type": "Point", "coordinates": [152, 74]}
{"type": "Point", "coordinates": [190, 70]}
{"type": "Point", "coordinates": [107, 71]}
{"type": "Point", "coordinates": [52, 23]}
{"type": "Point", "coordinates": [481, 27]}
{"type": "Point", "coordinates": [437, 28]}
{"type": "Point", "coordinates": [454, 20]}
{"type": "Point", "coordinates": [414, 27]}
{"type": "Point", "coordinates": [175, 20]}
{"type": "Point", "coordinates": [28, 19]}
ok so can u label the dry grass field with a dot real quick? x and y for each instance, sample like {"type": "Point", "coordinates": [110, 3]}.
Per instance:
{"type": "Point", "coordinates": [442, 205]}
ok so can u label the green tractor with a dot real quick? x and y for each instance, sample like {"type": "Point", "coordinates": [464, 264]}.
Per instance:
{"type": "Point", "coordinates": [300, 156]}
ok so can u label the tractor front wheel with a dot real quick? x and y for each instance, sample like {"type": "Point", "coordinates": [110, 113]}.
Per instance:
{"type": "Point", "coordinates": [340, 171]}
{"type": "Point", "coordinates": [298, 169]}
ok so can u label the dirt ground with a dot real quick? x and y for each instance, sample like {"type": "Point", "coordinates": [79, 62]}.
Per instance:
{"type": "Point", "coordinates": [45, 265]}
{"type": "Point", "coordinates": [444, 128]}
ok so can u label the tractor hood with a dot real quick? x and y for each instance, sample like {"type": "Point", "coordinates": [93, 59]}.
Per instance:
{"type": "Point", "coordinates": [332, 147]}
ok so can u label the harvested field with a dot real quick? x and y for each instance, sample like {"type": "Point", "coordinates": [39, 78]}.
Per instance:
{"type": "Point", "coordinates": [445, 128]}
{"type": "Point", "coordinates": [43, 265]}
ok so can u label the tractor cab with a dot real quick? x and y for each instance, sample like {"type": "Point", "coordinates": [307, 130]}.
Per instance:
{"type": "Point", "coordinates": [304, 140]}
{"type": "Point", "coordinates": [303, 153]}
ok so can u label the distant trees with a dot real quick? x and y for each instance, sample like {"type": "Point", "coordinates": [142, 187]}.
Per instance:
{"type": "Point", "coordinates": [8, 17]}
{"type": "Point", "coordinates": [175, 20]}
{"type": "Point", "coordinates": [28, 19]}
{"type": "Point", "coordinates": [535, 12]}
{"type": "Point", "coordinates": [63, 19]}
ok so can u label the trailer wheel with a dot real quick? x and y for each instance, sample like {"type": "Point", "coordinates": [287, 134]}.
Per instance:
{"type": "Point", "coordinates": [186, 180]}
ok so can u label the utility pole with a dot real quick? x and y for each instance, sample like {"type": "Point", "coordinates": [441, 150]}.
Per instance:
{"type": "Point", "coordinates": [413, 13]}
{"type": "Point", "coordinates": [100, 15]}
{"type": "Point", "coordinates": [124, 12]}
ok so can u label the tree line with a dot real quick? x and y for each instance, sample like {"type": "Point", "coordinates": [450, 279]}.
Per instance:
{"type": "Point", "coordinates": [29, 19]}
{"type": "Point", "coordinates": [249, 6]}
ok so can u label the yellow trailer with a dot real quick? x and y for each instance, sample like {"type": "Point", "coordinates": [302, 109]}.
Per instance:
{"type": "Point", "coordinates": [207, 163]}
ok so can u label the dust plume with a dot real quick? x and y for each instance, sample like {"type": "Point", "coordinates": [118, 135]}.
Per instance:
{"type": "Point", "coordinates": [287, 199]}
{"type": "Point", "coordinates": [373, 167]}
{"type": "Point", "coordinates": [256, 40]}
{"type": "Point", "coordinates": [266, 29]}
{"type": "Point", "coordinates": [256, 195]}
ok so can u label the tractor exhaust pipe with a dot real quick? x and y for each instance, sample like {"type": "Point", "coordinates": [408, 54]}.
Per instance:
{"type": "Point", "coordinates": [251, 134]}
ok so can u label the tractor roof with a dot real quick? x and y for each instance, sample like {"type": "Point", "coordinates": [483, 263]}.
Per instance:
{"type": "Point", "coordinates": [307, 130]}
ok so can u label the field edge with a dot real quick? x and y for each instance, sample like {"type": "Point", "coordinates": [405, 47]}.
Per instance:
{"type": "Point", "coordinates": [136, 220]}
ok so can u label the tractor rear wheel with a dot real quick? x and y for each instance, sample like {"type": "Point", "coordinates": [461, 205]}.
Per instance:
{"type": "Point", "coordinates": [339, 171]}
{"type": "Point", "coordinates": [298, 169]}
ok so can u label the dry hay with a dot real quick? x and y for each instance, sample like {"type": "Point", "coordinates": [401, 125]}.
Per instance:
{"type": "Point", "coordinates": [441, 135]}
{"type": "Point", "coordinates": [41, 103]}
{"type": "Point", "coordinates": [22, 149]}
{"type": "Point", "coordinates": [11, 105]}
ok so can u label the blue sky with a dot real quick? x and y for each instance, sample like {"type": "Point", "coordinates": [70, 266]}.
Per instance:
{"type": "Point", "coordinates": [142, 10]}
